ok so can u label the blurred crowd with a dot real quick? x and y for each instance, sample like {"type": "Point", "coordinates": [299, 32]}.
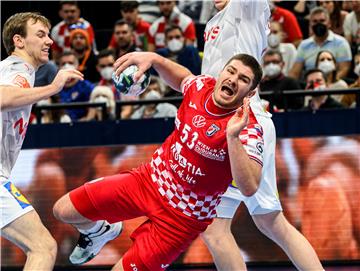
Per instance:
{"type": "Point", "coordinates": [312, 45]}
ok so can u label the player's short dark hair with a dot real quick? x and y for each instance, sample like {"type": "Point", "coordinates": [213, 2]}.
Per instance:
{"type": "Point", "coordinates": [253, 64]}
{"type": "Point", "coordinates": [105, 53]}
{"type": "Point", "coordinates": [315, 70]}
{"type": "Point", "coordinates": [128, 5]}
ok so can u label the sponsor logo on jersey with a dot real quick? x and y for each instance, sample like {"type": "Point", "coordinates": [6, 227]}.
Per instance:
{"type": "Point", "coordinates": [212, 130]}
{"type": "Point", "coordinates": [198, 121]}
{"type": "Point", "coordinates": [260, 147]}
{"type": "Point", "coordinates": [21, 82]}
{"type": "Point", "coordinates": [23, 202]}
{"type": "Point", "coordinates": [206, 151]}
{"type": "Point", "coordinates": [212, 33]}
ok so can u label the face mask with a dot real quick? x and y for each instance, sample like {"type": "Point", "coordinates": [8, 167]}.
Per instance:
{"type": "Point", "coordinates": [272, 70]}
{"type": "Point", "coordinates": [68, 66]}
{"type": "Point", "coordinates": [326, 66]}
{"type": "Point", "coordinates": [273, 40]}
{"type": "Point", "coordinates": [152, 95]}
{"type": "Point", "coordinates": [357, 69]}
{"type": "Point", "coordinates": [319, 29]}
{"type": "Point", "coordinates": [106, 73]}
{"type": "Point", "coordinates": [102, 99]}
{"type": "Point", "coordinates": [175, 45]}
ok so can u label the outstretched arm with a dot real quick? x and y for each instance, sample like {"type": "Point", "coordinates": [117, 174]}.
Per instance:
{"type": "Point", "coordinates": [173, 73]}
{"type": "Point", "coordinates": [245, 171]}
{"type": "Point", "coordinates": [12, 97]}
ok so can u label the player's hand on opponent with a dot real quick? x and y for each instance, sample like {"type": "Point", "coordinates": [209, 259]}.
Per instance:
{"type": "Point", "coordinates": [239, 120]}
{"type": "Point", "coordinates": [143, 60]}
{"type": "Point", "coordinates": [64, 75]}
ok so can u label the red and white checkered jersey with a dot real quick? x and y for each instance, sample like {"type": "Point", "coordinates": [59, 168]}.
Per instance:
{"type": "Point", "coordinates": [192, 167]}
{"type": "Point", "coordinates": [157, 29]}
{"type": "Point", "coordinates": [14, 72]}
{"type": "Point", "coordinates": [60, 34]}
{"type": "Point", "coordinates": [241, 27]}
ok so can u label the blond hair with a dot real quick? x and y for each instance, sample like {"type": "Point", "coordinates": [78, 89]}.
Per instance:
{"type": "Point", "coordinates": [16, 25]}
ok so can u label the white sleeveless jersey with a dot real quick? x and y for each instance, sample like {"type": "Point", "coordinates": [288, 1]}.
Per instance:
{"type": "Point", "coordinates": [241, 27]}
{"type": "Point", "coordinates": [14, 72]}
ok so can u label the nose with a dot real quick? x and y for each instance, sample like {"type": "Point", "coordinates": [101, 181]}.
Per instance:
{"type": "Point", "coordinates": [49, 41]}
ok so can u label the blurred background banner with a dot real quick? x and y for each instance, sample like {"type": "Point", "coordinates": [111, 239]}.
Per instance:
{"type": "Point", "coordinates": [318, 181]}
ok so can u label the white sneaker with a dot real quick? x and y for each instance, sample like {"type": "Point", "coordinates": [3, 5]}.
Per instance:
{"type": "Point", "coordinates": [89, 245]}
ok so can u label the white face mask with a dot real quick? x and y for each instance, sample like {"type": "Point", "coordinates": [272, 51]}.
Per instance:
{"type": "Point", "coordinates": [152, 95]}
{"type": "Point", "coordinates": [68, 66]}
{"type": "Point", "coordinates": [326, 66]}
{"type": "Point", "coordinates": [274, 40]}
{"type": "Point", "coordinates": [106, 73]}
{"type": "Point", "coordinates": [102, 99]}
{"type": "Point", "coordinates": [272, 70]}
{"type": "Point", "coordinates": [175, 45]}
{"type": "Point", "coordinates": [357, 69]}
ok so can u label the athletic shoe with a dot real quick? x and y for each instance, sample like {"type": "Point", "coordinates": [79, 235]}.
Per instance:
{"type": "Point", "coordinates": [89, 245]}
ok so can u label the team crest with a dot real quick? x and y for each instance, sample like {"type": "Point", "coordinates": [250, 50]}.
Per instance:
{"type": "Point", "coordinates": [212, 130]}
{"type": "Point", "coordinates": [198, 121]}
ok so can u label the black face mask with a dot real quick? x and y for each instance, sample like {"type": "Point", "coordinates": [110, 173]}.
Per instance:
{"type": "Point", "coordinates": [319, 29]}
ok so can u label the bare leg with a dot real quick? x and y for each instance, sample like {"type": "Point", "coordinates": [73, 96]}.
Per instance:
{"type": "Point", "coordinates": [275, 226]}
{"type": "Point", "coordinates": [118, 266]}
{"type": "Point", "coordinates": [222, 245]}
{"type": "Point", "coordinates": [65, 211]}
{"type": "Point", "coordinates": [34, 239]}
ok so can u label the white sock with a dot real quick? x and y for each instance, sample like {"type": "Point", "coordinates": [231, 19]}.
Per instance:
{"type": "Point", "coordinates": [98, 225]}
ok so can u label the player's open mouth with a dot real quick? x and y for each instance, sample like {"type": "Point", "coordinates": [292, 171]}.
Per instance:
{"type": "Point", "coordinates": [227, 90]}
{"type": "Point", "coordinates": [46, 50]}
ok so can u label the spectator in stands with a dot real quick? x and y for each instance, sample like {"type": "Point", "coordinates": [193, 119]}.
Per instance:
{"type": "Point", "coordinates": [289, 24]}
{"type": "Point", "coordinates": [45, 74]}
{"type": "Point", "coordinates": [52, 116]}
{"type": "Point", "coordinates": [81, 46]}
{"type": "Point", "coordinates": [322, 39]}
{"type": "Point", "coordinates": [326, 62]}
{"type": "Point", "coordinates": [349, 100]}
{"type": "Point", "coordinates": [130, 13]}
{"type": "Point", "coordinates": [70, 13]}
{"type": "Point", "coordinates": [176, 50]}
{"type": "Point", "coordinates": [316, 80]}
{"type": "Point", "coordinates": [105, 62]}
{"type": "Point", "coordinates": [149, 10]}
{"type": "Point", "coordinates": [191, 8]}
{"type": "Point", "coordinates": [337, 16]}
{"type": "Point", "coordinates": [287, 50]}
{"type": "Point", "coordinates": [170, 15]}
{"type": "Point", "coordinates": [74, 90]}
{"type": "Point", "coordinates": [160, 110]}
{"type": "Point", "coordinates": [124, 37]}
{"type": "Point", "coordinates": [352, 26]}
{"type": "Point", "coordinates": [101, 94]}
{"type": "Point", "coordinates": [275, 80]}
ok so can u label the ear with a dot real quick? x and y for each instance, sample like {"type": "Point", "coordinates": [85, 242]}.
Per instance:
{"type": "Point", "coordinates": [18, 41]}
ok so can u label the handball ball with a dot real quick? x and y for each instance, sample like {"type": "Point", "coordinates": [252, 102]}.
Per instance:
{"type": "Point", "coordinates": [124, 83]}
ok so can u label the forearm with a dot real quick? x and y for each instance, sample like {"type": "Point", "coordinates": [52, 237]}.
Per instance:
{"type": "Point", "coordinates": [12, 97]}
{"type": "Point", "coordinates": [172, 73]}
{"type": "Point", "coordinates": [343, 70]}
{"type": "Point", "coordinates": [245, 171]}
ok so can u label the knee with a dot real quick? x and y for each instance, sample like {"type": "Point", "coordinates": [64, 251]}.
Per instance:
{"type": "Point", "coordinates": [215, 235]}
{"type": "Point", "coordinates": [272, 225]}
{"type": "Point", "coordinates": [60, 209]}
{"type": "Point", "coordinates": [45, 245]}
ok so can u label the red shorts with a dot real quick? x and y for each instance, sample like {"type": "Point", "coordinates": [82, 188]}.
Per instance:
{"type": "Point", "coordinates": [159, 240]}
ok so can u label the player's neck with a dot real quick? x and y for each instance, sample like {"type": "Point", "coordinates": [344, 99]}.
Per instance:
{"type": "Point", "coordinates": [25, 56]}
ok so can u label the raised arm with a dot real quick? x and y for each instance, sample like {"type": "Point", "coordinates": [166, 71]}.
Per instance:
{"type": "Point", "coordinates": [172, 73]}
{"type": "Point", "coordinates": [13, 97]}
{"type": "Point", "coordinates": [246, 172]}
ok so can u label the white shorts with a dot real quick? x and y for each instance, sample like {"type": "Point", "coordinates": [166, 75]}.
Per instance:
{"type": "Point", "coordinates": [262, 202]}
{"type": "Point", "coordinates": [12, 204]}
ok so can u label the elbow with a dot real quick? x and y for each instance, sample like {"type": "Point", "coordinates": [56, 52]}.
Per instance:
{"type": "Point", "coordinates": [250, 191]}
